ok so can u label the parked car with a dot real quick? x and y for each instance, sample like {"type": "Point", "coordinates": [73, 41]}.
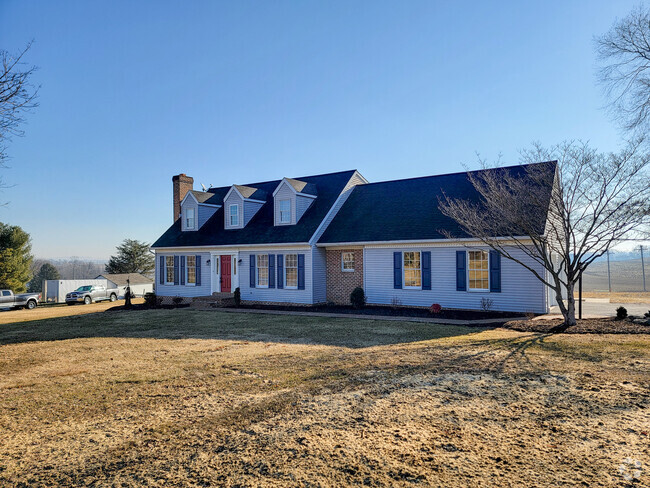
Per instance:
{"type": "Point", "coordinates": [91, 293]}
{"type": "Point", "coordinates": [23, 300]}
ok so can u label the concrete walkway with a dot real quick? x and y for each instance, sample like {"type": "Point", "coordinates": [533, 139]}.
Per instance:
{"type": "Point", "coordinates": [372, 317]}
{"type": "Point", "coordinates": [600, 307]}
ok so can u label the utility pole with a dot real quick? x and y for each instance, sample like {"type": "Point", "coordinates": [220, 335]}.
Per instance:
{"type": "Point", "coordinates": [642, 267]}
{"type": "Point", "coordinates": [609, 276]}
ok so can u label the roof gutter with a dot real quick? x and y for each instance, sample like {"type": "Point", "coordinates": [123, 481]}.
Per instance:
{"type": "Point", "coordinates": [468, 240]}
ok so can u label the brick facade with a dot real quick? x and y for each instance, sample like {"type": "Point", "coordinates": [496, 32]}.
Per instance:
{"type": "Point", "coordinates": [341, 283]}
{"type": "Point", "coordinates": [181, 185]}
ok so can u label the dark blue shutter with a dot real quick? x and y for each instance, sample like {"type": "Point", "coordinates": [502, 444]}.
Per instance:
{"type": "Point", "coordinates": [461, 274]}
{"type": "Point", "coordinates": [426, 270]}
{"type": "Point", "coordinates": [495, 272]}
{"type": "Point", "coordinates": [397, 270]}
{"type": "Point", "coordinates": [301, 271]}
{"type": "Point", "coordinates": [252, 271]}
{"type": "Point", "coordinates": [280, 271]}
{"type": "Point", "coordinates": [198, 270]}
{"type": "Point", "coordinates": [176, 270]}
{"type": "Point", "coordinates": [271, 270]}
{"type": "Point", "coordinates": [182, 270]}
{"type": "Point", "coordinates": [162, 270]}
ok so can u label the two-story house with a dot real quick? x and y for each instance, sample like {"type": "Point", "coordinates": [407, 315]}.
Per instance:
{"type": "Point", "coordinates": [314, 239]}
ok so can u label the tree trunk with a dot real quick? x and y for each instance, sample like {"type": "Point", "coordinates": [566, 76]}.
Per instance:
{"type": "Point", "coordinates": [570, 315]}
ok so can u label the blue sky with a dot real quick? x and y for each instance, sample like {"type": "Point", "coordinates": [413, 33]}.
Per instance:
{"type": "Point", "coordinates": [236, 92]}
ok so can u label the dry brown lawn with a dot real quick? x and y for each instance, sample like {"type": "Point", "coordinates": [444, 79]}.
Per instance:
{"type": "Point", "coordinates": [204, 398]}
{"type": "Point", "coordinates": [619, 297]}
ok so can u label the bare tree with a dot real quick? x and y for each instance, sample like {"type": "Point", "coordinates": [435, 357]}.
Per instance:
{"type": "Point", "coordinates": [17, 97]}
{"type": "Point", "coordinates": [556, 218]}
{"type": "Point", "coordinates": [624, 52]}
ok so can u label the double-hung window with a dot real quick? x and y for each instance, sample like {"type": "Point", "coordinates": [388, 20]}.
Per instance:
{"type": "Point", "coordinates": [285, 211]}
{"type": "Point", "coordinates": [291, 271]}
{"type": "Point", "coordinates": [347, 261]}
{"type": "Point", "coordinates": [169, 270]}
{"type": "Point", "coordinates": [190, 269]}
{"type": "Point", "coordinates": [263, 270]}
{"type": "Point", "coordinates": [412, 269]}
{"type": "Point", "coordinates": [234, 215]}
{"type": "Point", "coordinates": [479, 273]}
{"type": "Point", "coordinates": [189, 218]}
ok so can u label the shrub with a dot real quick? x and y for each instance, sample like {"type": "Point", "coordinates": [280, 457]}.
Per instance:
{"type": "Point", "coordinates": [435, 308]}
{"type": "Point", "coordinates": [486, 304]}
{"type": "Point", "coordinates": [621, 313]}
{"type": "Point", "coordinates": [647, 314]}
{"type": "Point", "coordinates": [358, 297]}
{"type": "Point", "coordinates": [150, 299]}
{"type": "Point", "coordinates": [177, 300]}
{"type": "Point", "coordinates": [237, 297]}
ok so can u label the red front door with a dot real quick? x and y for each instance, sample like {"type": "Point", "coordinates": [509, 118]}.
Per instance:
{"type": "Point", "coordinates": [225, 274]}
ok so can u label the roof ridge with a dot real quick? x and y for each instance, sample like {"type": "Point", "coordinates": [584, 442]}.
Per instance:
{"type": "Point", "coordinates": [252, 185]}
{"type": "Point", "coordinates": [457, 173]}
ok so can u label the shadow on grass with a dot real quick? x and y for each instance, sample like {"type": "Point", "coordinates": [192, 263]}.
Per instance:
{"type": "Point", "coordinates": [195, 324]}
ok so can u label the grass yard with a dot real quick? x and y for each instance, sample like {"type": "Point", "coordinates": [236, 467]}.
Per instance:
{"type": "Point", "coordinates": [200, 398]}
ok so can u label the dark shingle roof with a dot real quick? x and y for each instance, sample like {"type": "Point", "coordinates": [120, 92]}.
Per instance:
{"type": "Point", "coordinates": [260, 229]}
{"type": "Point", "coordinates": [407, 209]}
{"type": "Point", "coordinates": [206, 197]}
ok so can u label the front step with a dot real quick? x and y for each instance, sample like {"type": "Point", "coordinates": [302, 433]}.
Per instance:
{"type": "Point", "coordinates": [216, 300]}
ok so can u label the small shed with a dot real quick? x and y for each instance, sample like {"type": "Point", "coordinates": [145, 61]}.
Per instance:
{"type": "Point", "coordinates": [139, 284]}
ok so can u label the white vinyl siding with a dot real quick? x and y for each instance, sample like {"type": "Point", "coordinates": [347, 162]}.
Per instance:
{"type": "Point", "coordinates": [520, 290]}
{"type": "Point", "coordinates": [250, 209]}
{"type": "Point", "coordinates": [278, 295]}
{"type": "Point", "coordinates": [171, 290]}
{"type": "Point", "coordinates": [284, 193]}
{"type": "Point", "coordinates": [302, 204]}
{"type": "Point", "coordinates": [319, 274]}
{"type": "Point", "coordinates": [205, 212]}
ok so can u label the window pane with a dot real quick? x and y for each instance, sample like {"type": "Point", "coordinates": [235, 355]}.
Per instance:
{"type": "Point", "coordinates": [262, 270]}
{"type": "Point", "coordinates": [348, 260]}
{"type": "Point", "coordinates": [285, 211]}
{"type": "Point", "coordinates": [190, 265]}
{"type": "Point", "coordinates": [478, 270]}
{"type": "Point", "coordinates": [291, 270]}
{"type": "Point", "coordinates": [169, 269]}
{"type": "Point", "coordinates": [412, 271]}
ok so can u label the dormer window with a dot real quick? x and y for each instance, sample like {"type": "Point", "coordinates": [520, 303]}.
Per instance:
{"type": "Point", "coordinates": [189, 218]}
{"type": "Point", "coordinates": [285, 211]}
{"type": "Point", "coordinates": [234, 215]}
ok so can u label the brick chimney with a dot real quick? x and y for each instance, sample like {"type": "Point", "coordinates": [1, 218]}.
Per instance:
{"type": "Point", "coordinates": [182, 184]}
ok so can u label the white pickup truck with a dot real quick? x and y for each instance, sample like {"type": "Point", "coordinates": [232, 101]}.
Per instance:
{"type": "Point", "coordinates": [91, 293]}
{"type": "Point", "coordinates": [24, 300]}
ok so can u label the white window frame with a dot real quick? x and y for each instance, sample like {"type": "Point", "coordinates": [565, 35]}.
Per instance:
{"type": "Point", "coordinates": [230, 215]}
{"type": "Point", "coordinates": [343, 268]}
{"type": "Point", "coordinates": [168, 267]}
{"type": "Point", "coordinates": [404, 286]}
{"type": "Point", "coordinates": [257, 271]}
{"type": "Point", "coordinates": [478, 290]}
{"type": "Point", "coordinates": [187, 270]}
{"type": "Point", "coordinates": [187, 218]}
{"type": "Point", "coordinates": [288, 200]}
{"type": "Point", "coordinates": [286, 285]}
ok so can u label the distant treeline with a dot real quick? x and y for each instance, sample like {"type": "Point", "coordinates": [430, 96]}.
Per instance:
{"type": "Point", "coordinates": [72, 269]}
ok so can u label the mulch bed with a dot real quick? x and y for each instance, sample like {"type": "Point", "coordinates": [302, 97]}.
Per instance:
{"type": "Point", "coordinates": [607, 325]}
{"type": "Point", "coordinates": [390, 311]}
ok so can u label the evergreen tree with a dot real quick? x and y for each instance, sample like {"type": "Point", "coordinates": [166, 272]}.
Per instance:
{"type": "Point", "coordinates": [15, 257]}
{"type": "Point", "coordinates": [132, 257]}
{"type": "Point", "coordinates": [46, 272]}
